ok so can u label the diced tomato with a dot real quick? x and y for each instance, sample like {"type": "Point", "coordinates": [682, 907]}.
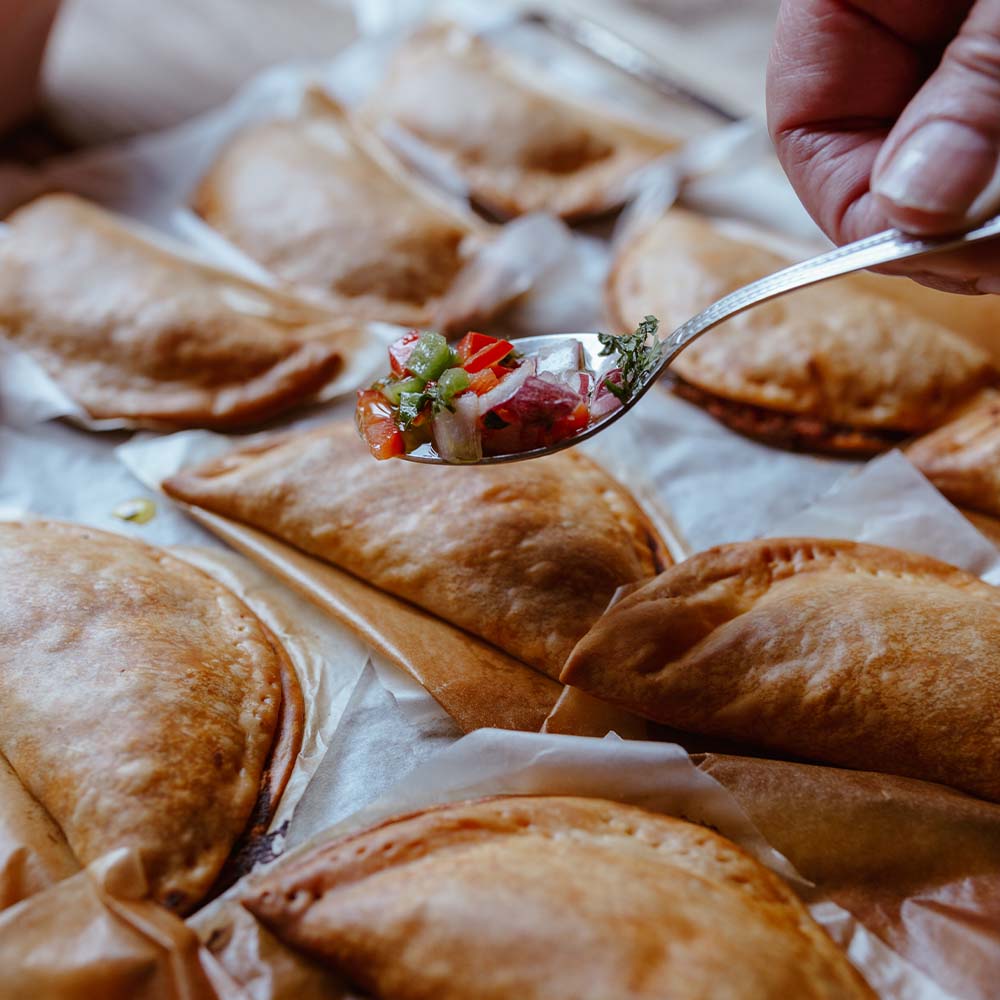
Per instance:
{"type": "Point", "coordinates": [490, 355]}
{"type": "Point", "coordinates": [374, 420]}
{"type": "Point", "coordinates": [483, 381]}
{"type": "Point", "coordinates": [472, 343]}
{"type": "Point", "coordinates": [573, 423]}
{"type": "Point", "coordinates": [400, 351]}
{"type": "Point", "coordinates": [500, 371]}
{"type": "Point", "coordinates": [384, 439]}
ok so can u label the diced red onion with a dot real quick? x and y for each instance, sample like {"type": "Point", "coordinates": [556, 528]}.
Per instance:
{"type": "Point", "coordinates": [563, 361]}
{"type": "Point", "coordinates": [509, 384]}
{"type": "Point", "coordinates": [603, 400]}
{"type": "Point", "coordinates": [541, 401]}
{"type": "Point", "coordinates": [456, 435]}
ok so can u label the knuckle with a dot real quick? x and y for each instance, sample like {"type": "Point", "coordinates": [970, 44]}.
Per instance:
{"type": "Point", "coordinates": [977, 55]}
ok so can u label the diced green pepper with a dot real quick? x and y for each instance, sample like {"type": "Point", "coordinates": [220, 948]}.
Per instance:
{"type": "Point", "coordinates": [451, 383]}
{"type": "Point", "coordinates": [430, 357]}
{"type": "Point", "coordinates": [392, 390]}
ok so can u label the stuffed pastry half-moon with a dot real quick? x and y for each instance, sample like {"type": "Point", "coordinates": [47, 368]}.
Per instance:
{"type": "Point", "coordinates": [141, 703]}
{"type": "Point", "coordinates": [518, 148]}
{"type": "Point", "coordinates": [962, 457]}
{"type": "Point", "coordinates": [834, 368]}
{"type": "Point", "coordinates": [130, 330]}
{"type": "Point", "coordinates": [322, 203]}
{"type": "Point", "coordinates": [543, 897]}
{"type": "Point", "coordinates": [526, 556]}
{"type": "Point", "coordinates": [849, 654]}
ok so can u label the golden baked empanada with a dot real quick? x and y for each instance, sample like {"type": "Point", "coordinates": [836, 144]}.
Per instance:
{"type": "Point", "coordinates": [837, 367]}
{"type": "Point", "coordinates": [518, 148]}
{"type": "Point", "coordinates": [852, 654]}
{"type": "Point", "coordinates": [544, 897]}
{"type": "Point", "coordinates": [141, 703]}
{"type": "Point", "coordinates": [319, 201]}
{"type": "Point", "coordinates": [526, 555]}
{"type": "Point", "coordinates": [131, 330]}
{"type": "Point", "coordinates": [962, 457]}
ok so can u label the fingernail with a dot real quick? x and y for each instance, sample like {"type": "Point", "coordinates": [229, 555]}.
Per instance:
{"type": "Point", "coordinates": [989, 285]}
{"type": "Point", "coordinates": [940, 169]}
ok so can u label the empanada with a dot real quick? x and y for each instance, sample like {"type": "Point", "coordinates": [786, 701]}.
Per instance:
{"type": "Point", "coordinates": [130, 330]}
{"type": "Point", "coordinates": [319, 201]}
{"type": "Point", "coordinates": [518, 148]}
{"type": "Point", "coordinates": [962, 457]}
{"type": "Point", "coordinates": [851, 654]}
{"type": "Point", "coordinates": [837, 367]}
{"type": "Point", "coordinates": [544, 897]}
{"type": "Point", "coordinates": [525, 555]}
{"type": "Point", "coordinates": [141, 703]}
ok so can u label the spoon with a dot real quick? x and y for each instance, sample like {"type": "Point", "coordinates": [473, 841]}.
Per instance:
{"type": "Point", "coordinates": [882, 248]}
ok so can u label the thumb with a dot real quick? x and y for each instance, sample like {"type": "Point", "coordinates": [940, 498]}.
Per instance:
{"type": "Point", "coordinates": [939, 168]}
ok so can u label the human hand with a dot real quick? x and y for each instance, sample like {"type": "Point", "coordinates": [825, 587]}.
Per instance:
{"type": "Point", "coordinates": [887, 113]}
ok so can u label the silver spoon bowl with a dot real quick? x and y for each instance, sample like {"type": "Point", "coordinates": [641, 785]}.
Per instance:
{"type": "Point", "coordinates": [882, 248]}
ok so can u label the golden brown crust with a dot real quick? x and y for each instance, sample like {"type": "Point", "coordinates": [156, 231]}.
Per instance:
{"type": "Point", "coordinates": [788, 430]}
{"type": "Point", "coordinates": [485, 900]}
{"type": "Point", "coordinates": [525, 555]}
{"type": "Point", "coordinates": [319, 201]}
{"type": "Point", "coordinates": [850, 654]}
{"type": "Point", "coordinates": [838, 353]}
{"type": "Point", "coordinates": [962, 458]}
{"type": "Point", "coordinates": [140, 700]}
{"type": "Point", "coordinates": [132, 331]}
{"type": "Point", "coordinates": [518, 148]}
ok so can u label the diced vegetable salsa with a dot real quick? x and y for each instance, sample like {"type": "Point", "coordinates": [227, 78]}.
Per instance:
{"type": "Point", "coordinates": [481, 398]}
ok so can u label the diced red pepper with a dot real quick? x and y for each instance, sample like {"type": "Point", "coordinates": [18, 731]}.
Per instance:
{"type": "Point", "coordinates": [374, 420]}
{"type": "Point", "coordinates": [490, 355]}
{"type": "Point", "coordinates": [483, 381]}
{"type": "Point", "coordinates": [400, 351]}
{"type": "Point", "coordinates": [472, 343]}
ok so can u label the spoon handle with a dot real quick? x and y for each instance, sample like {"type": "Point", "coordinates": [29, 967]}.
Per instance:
{"type": "Point", "coordinates": [882, 248]}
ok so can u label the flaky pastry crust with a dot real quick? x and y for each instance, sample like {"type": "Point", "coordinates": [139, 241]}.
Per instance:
{"type": "Point", "coordinates": [140, 701]}
{"type": "Point", "coordinates": [132, 331]}
{"type": "Point", "coordinates": [318, 200]}
{"type": "Point", "coordinates": [518, 148]}
{"type": "Point", "coordinates": [525, 555]}
{"type": "Point", "coordinates": [550, 897]}
{"type": "Point", "coordinates": [837, 354]}
{"type": "Point", "coordinates": [840, 652]}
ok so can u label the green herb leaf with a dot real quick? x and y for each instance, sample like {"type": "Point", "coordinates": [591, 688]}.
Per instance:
{"type": "Point", "coordinates": [638, 354]}
{"type": "Point", "coordinates": [412, 404]}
